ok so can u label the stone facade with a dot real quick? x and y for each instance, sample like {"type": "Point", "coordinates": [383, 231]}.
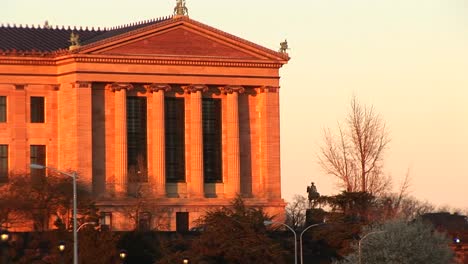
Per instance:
{"type": "Point", "coordinates": [86, 93]}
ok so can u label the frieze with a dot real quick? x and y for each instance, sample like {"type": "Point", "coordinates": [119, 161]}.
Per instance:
{"type": "Point", "coordinates": [119, 86]}
{"type": "Point", "coordinates": [156, 87]}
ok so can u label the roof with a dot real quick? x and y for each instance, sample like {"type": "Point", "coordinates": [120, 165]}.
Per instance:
{"type": "Point", "coordinates": [47, 39]}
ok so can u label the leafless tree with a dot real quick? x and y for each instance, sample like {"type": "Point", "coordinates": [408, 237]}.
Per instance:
{"type": "Point", "coordinates": [355, 156]}
{"type": "Point", "coordinates": [296, 212]}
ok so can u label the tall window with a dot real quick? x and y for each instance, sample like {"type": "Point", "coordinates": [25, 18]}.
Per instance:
{"type": "Point", "coordinates": [37, 109]}
{"type": "Point", "coordinates": [3, 108]}
{"type": "Point", "coordinates": [106, 221]}
{"type": "Point", "coordinates": [137, 139]}
{"type": "Point", "coordinates": [3, 163]}
{"type": "Point", "coordinates": [38, 156]}
{"type": "Point", "coordinates": [175, 139]}
{"type": "Point", "coordinates": [212, 169]}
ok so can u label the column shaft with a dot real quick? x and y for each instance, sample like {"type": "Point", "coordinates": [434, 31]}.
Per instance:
{"type": "Point", "coordinates": [234, 179]}
{"type": "Point", "coordinates": [158, 174]}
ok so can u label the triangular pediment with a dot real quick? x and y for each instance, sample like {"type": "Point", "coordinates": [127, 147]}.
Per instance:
{"type": "Point", "coordinates": [183, 38]}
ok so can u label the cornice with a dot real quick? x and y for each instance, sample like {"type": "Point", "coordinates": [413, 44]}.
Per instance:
{"type": "Point", "coordinates": [135, 60]}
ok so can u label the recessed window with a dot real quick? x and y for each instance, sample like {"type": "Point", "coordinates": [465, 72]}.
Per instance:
{"type": "Point", "coordinates": [106, 221]}
{"type": "Point", "coordinates": [137, 139]}
{"type": "Point", "coordinates": [3, 163]}
{"type": "Point", "coordinates": [38, 156]}
{"type": "Point", "coordinates": [3, 107]}
{"type": "Point", "coordinates": [175, 139]}
{"type": "Point", "coordinates": [144, 221]}
{"type": "Point", "coordinates": [212, 149]}
{"type": "Point", "coordinates": [37, 109]}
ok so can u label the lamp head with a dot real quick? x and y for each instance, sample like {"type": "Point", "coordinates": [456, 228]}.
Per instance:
{"type": "Point", "coordinates": [457, 240]}
{"type": "Point", "coordinates": [185, 261]}
{"type": "Point", "coordinates": [267, 222]}
{"type": "Point", "coordinates": [61, 246]}
{"type": "Point", "coordinates": [37, 166]}
{"type": "Point", "coordinates": [4, 236]}
{"type": "Point", "coordinates": [123, 254]}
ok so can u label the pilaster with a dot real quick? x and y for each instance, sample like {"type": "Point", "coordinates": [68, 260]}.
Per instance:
{"type": "Point", "coordinates": [270, 141]}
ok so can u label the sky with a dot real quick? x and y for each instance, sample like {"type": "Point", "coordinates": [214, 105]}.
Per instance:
{"type": "Point", "coordinates": [407, 59]}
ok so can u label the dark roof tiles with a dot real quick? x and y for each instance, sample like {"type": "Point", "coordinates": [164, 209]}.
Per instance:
{"type": "Point", "coordinates": [42, 39]}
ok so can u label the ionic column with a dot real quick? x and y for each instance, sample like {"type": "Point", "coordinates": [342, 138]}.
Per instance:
{"type": "Point", "coordinates": [195, 186]}
{"type": "Point", "coordinates": [233, 154]}
{"type": "Point", "coordinates": [120, 142]}
{"type": "Point", "coordinates": [158, 174]}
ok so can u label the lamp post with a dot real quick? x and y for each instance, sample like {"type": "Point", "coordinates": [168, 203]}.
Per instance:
{"type": "Point", "coordinates": [73, 175]}
{"type": "Point", "coordinates": [362, 239]}
{"type": "Point", "coordinates": [269, 222]}
{"type": "Point", "coordinates": [4, 238]}
{"type": "Point", "coordinates": [300, 238]}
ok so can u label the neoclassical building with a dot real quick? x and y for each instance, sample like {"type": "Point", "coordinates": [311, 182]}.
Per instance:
{"type": "Point", "coordinates": [171, 111]}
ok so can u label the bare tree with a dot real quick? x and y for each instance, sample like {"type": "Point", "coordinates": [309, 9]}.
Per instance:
{"type": "Point", "coordinates": [355, 156]}
{"type": "Point", "coordinates": [296, 212]}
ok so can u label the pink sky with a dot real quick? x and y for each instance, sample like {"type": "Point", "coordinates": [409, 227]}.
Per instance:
{"type": "Point", "coordinates": [409, 59]}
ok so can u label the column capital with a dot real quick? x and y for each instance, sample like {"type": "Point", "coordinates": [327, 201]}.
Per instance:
{"type": "Point", "coordinates": [119, 86]}
{"type": "Point", "coordinates": [231, 89]}
{"type": "Point", "coordinates": [80, 84]}
{"type": "Point", "coordinates": [267, 89]}
{"type": "Point", "coordinates": [195, 88]}
{"type": "Point", "coordinates": [156, 87]}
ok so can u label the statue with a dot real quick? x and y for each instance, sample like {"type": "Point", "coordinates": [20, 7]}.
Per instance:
{"type": "Point", "coordinates": [180, 9]}
{"type": "Point", "coordinates": [313, 195]}
{"type": "Point", "coordinates": [283, 46]}
{"type": "Point", "coordinates": [74, 40]}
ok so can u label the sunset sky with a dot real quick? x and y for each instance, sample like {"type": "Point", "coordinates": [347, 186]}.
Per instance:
{"type": "Point", "coordinates": [407, 58]}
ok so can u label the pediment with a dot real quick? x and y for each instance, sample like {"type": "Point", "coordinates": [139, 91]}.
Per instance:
{"type": "Point", "coordinates": [183, 38]}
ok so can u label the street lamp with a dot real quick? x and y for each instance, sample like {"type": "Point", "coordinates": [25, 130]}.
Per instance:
{"type": "Point", "coordinates": [61, 248]}
{"type": "Point", "coordinates": [300, 238]}
{"type": "Point", "coordinates": [4, 238]}
{"type": "Point", "coordinates": [73, 175]}
{"type": "Point", "coordinates": [269, 222]}
{"type": "Point", "coordinates": [186, 261]}
{"type": "Point", "coordinates": [362, 239]}
{"type": "Point", "coordinates": [123, 255]}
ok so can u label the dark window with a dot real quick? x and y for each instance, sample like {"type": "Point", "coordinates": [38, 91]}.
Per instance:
{"type": "Point", "coordinates": [212, 169]}
{"type": "Point", "coordinates": [144, 221]}
{"type": "Point", "coordinates": [38, 156]}
{"type": "Point", "coordinates": [182, 221]}
{"type": "Point", "coordinates": [3, 108]}
{"type": "Point", "coordinates": [37, 109]}
{"type": "Point", "coordinates": [106, 221]}
{"type": "Point", "coordinates": [137, 139]}
{"type": "Point", "coordinates": [3, 163]}
{"type": "Point", "coordinates": [175, 139]}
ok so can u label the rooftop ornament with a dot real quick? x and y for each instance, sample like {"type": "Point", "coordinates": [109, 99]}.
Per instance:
{"type": "Point", "coordinates": [74, 41]}
{"type": "Point", "coordinates": [284, 46]}
{"type": "Point", "coordinates": [180, 9]}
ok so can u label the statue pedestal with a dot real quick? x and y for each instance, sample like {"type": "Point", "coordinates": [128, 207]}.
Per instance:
{"type": "Point", "coordinates": [314, 216]}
